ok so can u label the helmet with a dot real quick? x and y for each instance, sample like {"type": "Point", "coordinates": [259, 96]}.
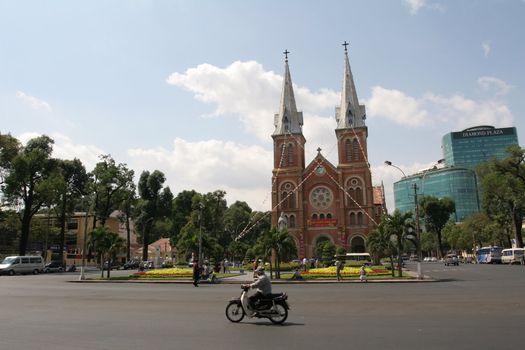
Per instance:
{"type": "Point", "coordinates": [259, 270]}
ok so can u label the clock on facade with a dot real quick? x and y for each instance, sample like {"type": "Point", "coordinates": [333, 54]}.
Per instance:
{"type": "Point", "coordinates": [320, 170]}
{"type": "Point", "coordinates": [321, 197]}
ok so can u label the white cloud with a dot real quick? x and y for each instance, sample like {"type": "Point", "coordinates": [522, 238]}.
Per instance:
{"type": "Point", "coordinates": [415, 5]}
{"type": "Point", "coordinates": [455, 111]}
{"type": "Point", "coordinates": [463, 112]}
{"type": "Point", "coordinates": [33, 102]}
{"type": "Point", "coordinates": [242, 171]}
{"type": "Point", "coordinates": [397, 106]}
{"type": "Point", "coordinates": [246, 90]}
{"type": "Point", "coordinates": [492, 84]}
{"type": "Point", "coordinates": [64, 148]}
{"type": "Point", "coordinates": [486, 48]}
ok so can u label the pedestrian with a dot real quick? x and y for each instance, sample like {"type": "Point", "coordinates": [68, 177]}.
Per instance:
{"type": "Point", "coordinates": [305, 262]}
{"type": "Point", "coordinates": [338, 268]}
{"type": "Point", "coordinates": [255, 266]}
{"type": "Point", "coordinates": [225, 262]}
{"type": "Point", "coordinates": [362, 274]}
{"type": "Point", "coordinates": [196, 272]}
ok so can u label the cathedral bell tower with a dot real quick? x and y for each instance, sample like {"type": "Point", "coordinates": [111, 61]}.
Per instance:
{"type": "Point", "coordinates": [355, 177]}
{"type": "Point", "coordinates": [288, 151]}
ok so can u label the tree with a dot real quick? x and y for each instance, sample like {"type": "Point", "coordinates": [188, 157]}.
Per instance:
{"type": "Point", "coordinates": [127, 213]}
{"type": "Point", "coordinates": [236, 219]}
{"type": "Point", "coordinates": [10, 147]}
{"type": "Point", "coordinates": [398, 225]}
{"type": "Point", "coordinates": [380, 245]}
{"type": "Point", "coordinates": [503, 189]}
{"type": "Point", "coordinates": [155, 204]}
{"type": "Point", "coordinates": [280, 244]}
{"type": "Point", "coordinates": [28, 182]}
{"type": "Point", "coordinates": [182, 209]}
{"type": "Point", "coordinates": [106, 245]}
{"type": "Point", "coordinates": [68, 187]}
{"type": "Point", "coordinates": [479, 229]}
{"type": "Point", "coordinates": [109, 183]}
{"type": "Point", "coordinates": [436, 212]}
{"type": "Point", "coordinates": [9, 229]}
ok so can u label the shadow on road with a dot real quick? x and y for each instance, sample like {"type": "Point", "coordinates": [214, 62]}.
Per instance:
{"type": "Point", "coordinates": [286, 324]}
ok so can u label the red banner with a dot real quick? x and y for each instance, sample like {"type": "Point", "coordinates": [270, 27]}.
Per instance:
{"type": "Point", "coordinates": [321, 222]}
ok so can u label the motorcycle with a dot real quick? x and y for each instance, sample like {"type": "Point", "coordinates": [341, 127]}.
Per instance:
{"type": "Point", "coordinates": [275, 307]}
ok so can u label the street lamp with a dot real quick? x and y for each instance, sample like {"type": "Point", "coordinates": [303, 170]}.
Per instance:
{"type": "Point", "coordinates": [201, 206]}
{"type": "Point", "coordinates": [389, 163]}
{"type": "Point", "coordinates": [418, 231]}
{"type": "Point", "coordinates": [84, 243]}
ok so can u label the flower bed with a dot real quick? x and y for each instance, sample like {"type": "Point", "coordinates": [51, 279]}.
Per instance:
{"type": "Point", "coordinates": [175, 272]}
{"type": "Point", "coordinates": [330, 272]}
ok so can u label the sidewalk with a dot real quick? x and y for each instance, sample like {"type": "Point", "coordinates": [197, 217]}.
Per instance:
{"type": "Point", "coordinates": [248, 278]}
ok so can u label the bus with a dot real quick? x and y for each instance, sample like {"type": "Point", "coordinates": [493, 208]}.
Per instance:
{"type": "Point", "coordinates": [489, 255]}
{"type": "Point", "coordinates": [359, 258]}
{"type": "Point", "coordinates": [512, 255]}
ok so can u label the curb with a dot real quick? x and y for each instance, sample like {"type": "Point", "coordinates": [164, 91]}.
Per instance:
{"type": "Point", "coordinates": [224, 281]}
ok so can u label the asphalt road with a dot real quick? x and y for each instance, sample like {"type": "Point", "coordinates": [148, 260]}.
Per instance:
{"type": "Point", "coordinates": [473, 307]}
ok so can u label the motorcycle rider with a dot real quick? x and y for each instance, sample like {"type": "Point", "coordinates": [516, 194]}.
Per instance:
{"type": "Point", "coordinates": [263, 285]}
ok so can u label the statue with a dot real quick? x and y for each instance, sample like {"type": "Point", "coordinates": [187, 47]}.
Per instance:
{"type": "Point", "coordinates": [282, 223]}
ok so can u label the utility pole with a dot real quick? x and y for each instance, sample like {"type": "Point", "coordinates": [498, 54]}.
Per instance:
{"type": "Point", "coordinates": [418, 234]}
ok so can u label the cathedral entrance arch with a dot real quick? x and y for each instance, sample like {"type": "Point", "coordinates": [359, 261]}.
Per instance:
{"type": "Point", "coordinates": [357, 244]}
{"type": "Point", "coordinates": [320, 242]}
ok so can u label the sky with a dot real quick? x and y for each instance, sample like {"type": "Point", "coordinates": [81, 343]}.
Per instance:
{"type": "Point", "coordinates": [190, 88]}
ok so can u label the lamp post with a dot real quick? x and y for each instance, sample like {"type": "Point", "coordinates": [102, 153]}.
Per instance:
{"type": "Point", "coordinates": [201, 206]}
{"type": "Point", "coordinates": [418, 231]}
{"type": "Point", "coordinates": [389, 163]}
{"type": "Point", "coordinates": [84, 243]}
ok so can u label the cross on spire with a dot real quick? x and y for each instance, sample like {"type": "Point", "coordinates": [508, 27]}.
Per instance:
{"type": "Point", "coordinates": [345, 44]}
{"type": "Point", "coordinates": [286, 52]}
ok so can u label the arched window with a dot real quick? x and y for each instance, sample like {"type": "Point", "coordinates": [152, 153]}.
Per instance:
{"type": "Point", "coordinates": [291, 201]}
{"type": "Point", "coordinates": [359, 218]}
{"type": "Point", "coordinates": [291, 221]}
{"type": "Point", "coordinates": [348, 150]}
{"type": "Point", "coordinates": [321, 216]}
{"type": "Point", "coordinates": [328, 216]}
{"type": "Point", "coordinates": [284, 200]}
{"type": "Point", "coordinates": [355, 192]}
{"type": "Point", "coordinates": [290, 155]}
{"type": "Point", "coordinates": [314, 216]}
{"type": "Point", "coordinates": [352, 219]}
{"type": "Point", "coordinates": [356, 150]}
{"type": "Point", "coordinates": [359, 195]}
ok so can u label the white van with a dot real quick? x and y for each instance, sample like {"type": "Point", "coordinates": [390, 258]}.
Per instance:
{"type": "Point", "coordinates": [21, 265]}
{"type": "Point", "coordinates": [512, 255]}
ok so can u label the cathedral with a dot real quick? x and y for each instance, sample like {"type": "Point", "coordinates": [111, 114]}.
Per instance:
{"type": "Point", "coordinates": [321, 201]}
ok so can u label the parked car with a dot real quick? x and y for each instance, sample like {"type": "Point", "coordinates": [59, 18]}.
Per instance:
{"type": "Point", "coordinates": [54, 266]}
{"type": "Point", "coordinates": [114, 265]}
{"type": "Point", "coordinates": [147, 264]}
{"type": "Point", "coordinates": [12, 265]}
{"type": "Point", "coordinates": [451, 259]}
{"type": "Point", "coordinates": [131, 264]}
{"type": "Point", "coordinates": [166, 264]}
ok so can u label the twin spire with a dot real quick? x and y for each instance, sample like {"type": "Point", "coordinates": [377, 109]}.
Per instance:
{"type": "Point", "coordinates": [288, 120]}
{"type": "Point", "coordinates": [348, 115]}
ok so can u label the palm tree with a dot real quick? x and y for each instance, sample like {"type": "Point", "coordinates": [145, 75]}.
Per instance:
{"type": "Point", "coordinates": [397, 226]}
{"type": "Point", "coordinates": [106, 245]}
{"type": "Point", "coordinates": [379, 244]}
{"type": "Point", "coordinates": [277, 242]}
{"type": "Point", "coordinates": [96, 244]}
{"type": "Point", "coordinates": [114, 244]}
